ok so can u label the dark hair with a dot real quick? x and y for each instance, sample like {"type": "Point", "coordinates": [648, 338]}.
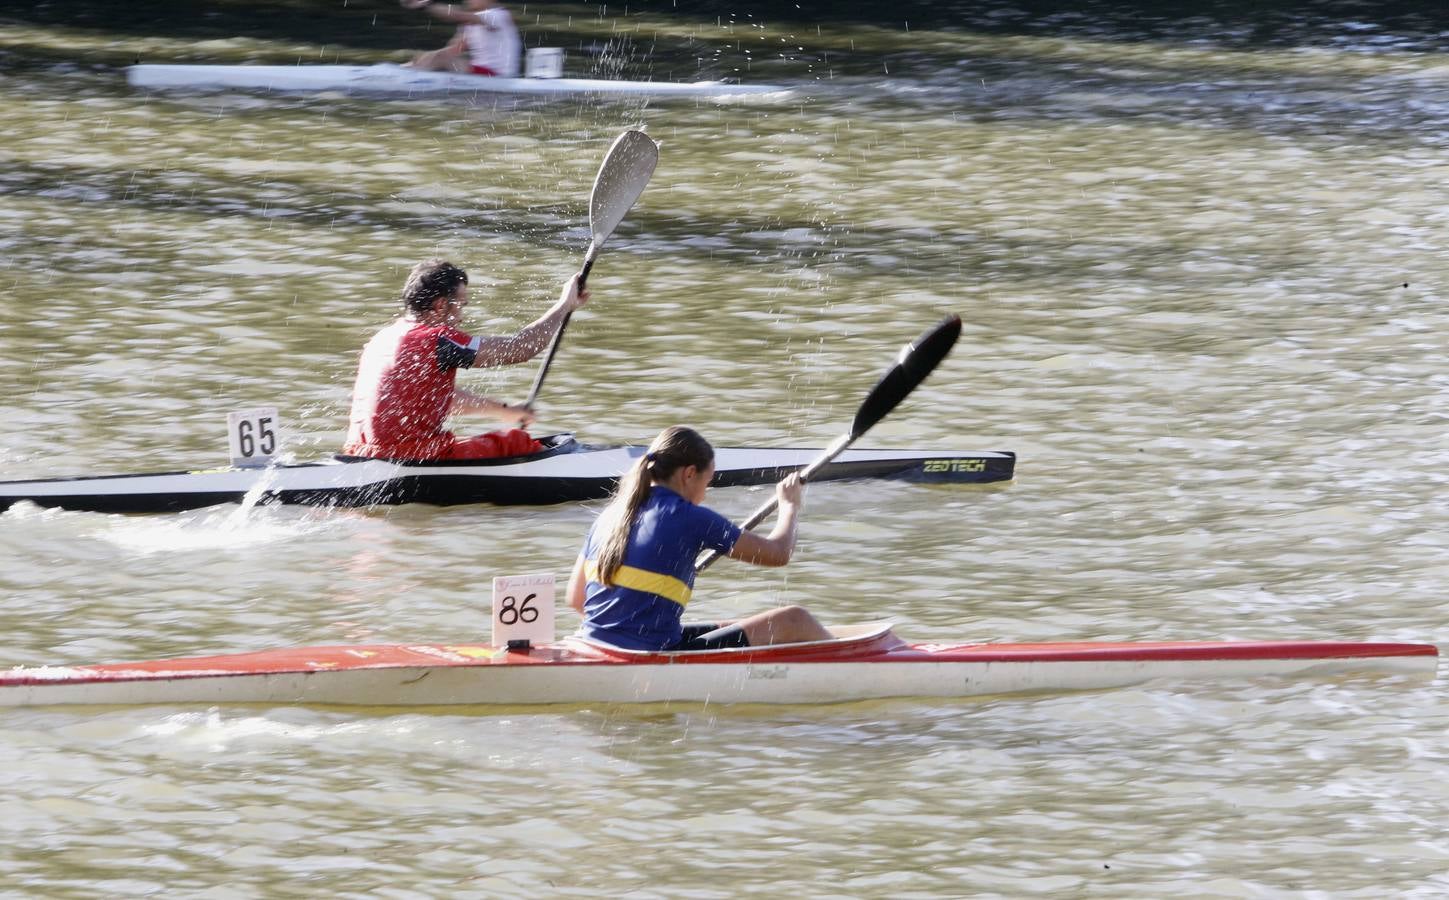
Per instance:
{"type": "Point", "coordinates": [675, 448]}
{"type": "Point", "coordinates": [429, 280]}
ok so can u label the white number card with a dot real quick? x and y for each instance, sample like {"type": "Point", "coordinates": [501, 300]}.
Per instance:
{"type": "Point", "coordinates": [522, 609]}
{"type": "Point", "coordinates": [252, 435]}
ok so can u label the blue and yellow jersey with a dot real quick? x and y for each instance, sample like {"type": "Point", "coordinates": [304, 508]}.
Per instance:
{"type": "Point", "coordinates": [642, 609]}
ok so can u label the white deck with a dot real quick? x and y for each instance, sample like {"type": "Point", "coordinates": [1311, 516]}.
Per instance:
{"type": "Point", "coordinates": [387, 78]}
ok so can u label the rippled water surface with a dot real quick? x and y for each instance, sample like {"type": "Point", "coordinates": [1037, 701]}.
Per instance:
{"type": "Point", "coordinates": [1201, 265]}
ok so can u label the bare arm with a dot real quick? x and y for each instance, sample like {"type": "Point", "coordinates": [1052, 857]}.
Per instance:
{"type": "Point", "coordinates": [469, 403]}
{"type": "Point", "coordinates": [444, 11]}
{"type": "Point", "coordinates": [576, 586]}
{"type": "Point", "coordinates": [528, 343]}
{"type": "Point", "coordinates": [776, 548]}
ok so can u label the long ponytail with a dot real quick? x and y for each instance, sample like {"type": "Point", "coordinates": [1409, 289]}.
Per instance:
{"type": "Point", "coordinates": [676, 447]}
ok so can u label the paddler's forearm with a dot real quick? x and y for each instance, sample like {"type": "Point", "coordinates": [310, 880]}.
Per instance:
{"type": "Point", "coordinates": [445, 12]}
{"type": "Point", "coordinates": [774, 549]}
{"type": "Point", "coordinates": [523, 346]}
{"type": "Point", "coordinates": [469, 403]}
{"type": "Point", "coordinates": [533, 338]}
{"type": "Point", "coordinates": [529, 342]}
{"type": "Point", "coordinates": [786, 526]}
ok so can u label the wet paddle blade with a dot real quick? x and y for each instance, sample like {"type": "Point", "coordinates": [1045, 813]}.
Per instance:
{"type": "Point", "coordinates": [626, 169]}
{"type": "Point", "coordinates": [623, 174]}
{"type": "Point", "coordinates": [917, 360]}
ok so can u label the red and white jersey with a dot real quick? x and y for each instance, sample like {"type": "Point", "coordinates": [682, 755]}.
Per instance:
{"type": "Point", "coordinates": [494, 43]}
{"type": "Point", "coordinates": [404, 390]}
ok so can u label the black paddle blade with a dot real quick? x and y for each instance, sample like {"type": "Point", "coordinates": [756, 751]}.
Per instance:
{"type": "Point", "coordinates": [917, 360]}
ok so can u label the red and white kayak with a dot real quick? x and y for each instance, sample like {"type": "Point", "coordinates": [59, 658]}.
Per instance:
{"type": "Point", "coordinates": [863, 662]}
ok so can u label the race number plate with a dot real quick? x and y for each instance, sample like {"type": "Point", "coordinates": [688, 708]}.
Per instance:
{"type": "Point", "coordinates": [252, 435]}
{"type": "Point", "coordinates": [522, 609]}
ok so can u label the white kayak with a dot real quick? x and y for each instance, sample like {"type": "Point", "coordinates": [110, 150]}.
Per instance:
{"type": "Point", "coordinates": [388, 78]}
{"type": "Point", "coordinates": [863, 662]}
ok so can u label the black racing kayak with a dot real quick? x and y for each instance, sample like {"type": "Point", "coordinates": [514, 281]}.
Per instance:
{"type": "Point", "coordinates": [564, 471]}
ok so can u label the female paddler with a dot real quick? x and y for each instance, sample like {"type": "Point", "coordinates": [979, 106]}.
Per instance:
{"type": "Point", "coordinates": [636, 572]}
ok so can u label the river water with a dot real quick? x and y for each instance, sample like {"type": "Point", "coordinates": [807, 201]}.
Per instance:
{"type": "Point", "coordinates": [1203, 283]}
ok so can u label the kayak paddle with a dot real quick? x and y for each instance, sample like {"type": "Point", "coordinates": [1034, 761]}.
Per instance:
{"type": "Point", "coordinates": [625, 171]}
{"type": "Point", "coordinates": [917, 359]}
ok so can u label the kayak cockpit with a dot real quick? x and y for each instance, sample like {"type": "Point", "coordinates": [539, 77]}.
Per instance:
{"type": "Point", "coordinates": [849, 642]}
{"type": "Point", "coordinates": [553, 445]}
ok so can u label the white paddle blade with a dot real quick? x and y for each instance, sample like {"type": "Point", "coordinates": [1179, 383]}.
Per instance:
{"type": "Point", "coordinates": [626, 169]}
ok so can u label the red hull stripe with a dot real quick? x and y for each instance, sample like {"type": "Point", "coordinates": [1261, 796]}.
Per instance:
{"type": "Point", "coordinates": [879, 649]}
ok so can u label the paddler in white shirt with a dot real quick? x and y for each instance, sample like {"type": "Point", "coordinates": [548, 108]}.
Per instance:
{"type": "Point", "coordinates": [486, 42]}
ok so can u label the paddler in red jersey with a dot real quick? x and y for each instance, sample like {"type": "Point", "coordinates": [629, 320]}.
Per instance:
{"type": "Point", "coordinates": [407, 378]}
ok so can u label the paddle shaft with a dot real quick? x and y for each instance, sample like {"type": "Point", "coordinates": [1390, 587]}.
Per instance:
{"type": "Point", "coordinates": [759, 515]}
{"type": "Point", "coordinates": [834, 450]}
{"type": "Point", "coordinates": [558, 335]}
